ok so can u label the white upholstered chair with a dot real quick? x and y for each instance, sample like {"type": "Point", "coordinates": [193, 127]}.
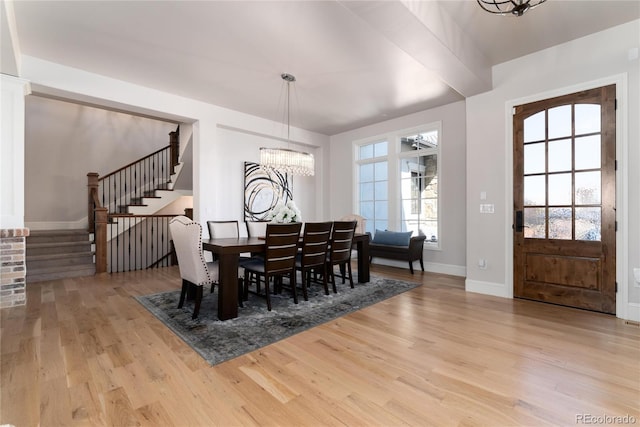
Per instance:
{"type": "Point", "coordinates": [194, 270]}
{"type": "Point", "coordinates": [223, 229]}
{"type": "Point", "coordinates": [256, 228]}
{"type": "Point", "coordinates": [361, 222]}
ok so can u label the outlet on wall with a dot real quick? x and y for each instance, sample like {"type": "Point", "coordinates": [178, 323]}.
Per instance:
{"type": "Point", "coordinates": [482, 264]}
{"type": "Point", "coordinates": [636, 275]}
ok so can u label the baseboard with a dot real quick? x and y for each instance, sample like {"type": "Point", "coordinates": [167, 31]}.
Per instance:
{"type": "Point", "coordinates": [633, 312]}
{"type": "Point", "coordinates": [432, 267]}
{"type": "Point", "coordinates": [81, 224]}
{"type": "Point", "coordinates": [487, 288]}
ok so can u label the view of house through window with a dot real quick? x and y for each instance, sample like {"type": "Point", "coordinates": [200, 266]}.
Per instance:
{"type": "Point", "coordinates": [398, 182]}
{"type": "Point", "coordinates": [419, 184]}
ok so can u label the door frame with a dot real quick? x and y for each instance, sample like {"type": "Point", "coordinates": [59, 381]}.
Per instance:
{"type": "Point", "coordinates": [622, 182]}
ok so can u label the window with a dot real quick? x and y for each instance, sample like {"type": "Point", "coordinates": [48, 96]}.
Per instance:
{"type": "Point", "coordinates": [398, 182]}
{"type": "Point", "coordinates": [419, 184]}
{"type": "Point", "coordinates": [373, 185]}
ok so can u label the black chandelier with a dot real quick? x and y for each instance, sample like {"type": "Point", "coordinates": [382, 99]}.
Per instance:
{"type": "Point", "coordinates": [509, 7]}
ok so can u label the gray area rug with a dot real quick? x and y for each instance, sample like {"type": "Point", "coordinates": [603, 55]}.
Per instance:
{"type": "Point", "coordinates": [255, 327]}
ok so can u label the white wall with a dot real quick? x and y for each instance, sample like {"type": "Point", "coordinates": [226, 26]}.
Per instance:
{"type": "Point", "coordinates": [450, 258]}
{"type": "Point", "coordinates": [592, 61]}
{"type": "Point", "coordinates": [64, 142]}
{"type": "Point", "coordinates": [12, 93]}
{"type": "Point", "coordinates": [217, 151]}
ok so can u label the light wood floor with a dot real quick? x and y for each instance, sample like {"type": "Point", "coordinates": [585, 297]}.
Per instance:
{"type": "Point", "coordinates": [83, 352]}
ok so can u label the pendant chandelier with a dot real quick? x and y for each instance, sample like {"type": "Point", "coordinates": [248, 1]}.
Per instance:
{"type": "Point", "coordinates": [509, 7]}
{"type": "Point", "coordinates": [285, 159]}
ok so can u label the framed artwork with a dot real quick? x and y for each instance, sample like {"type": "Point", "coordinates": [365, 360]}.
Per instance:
{"type": "Point", "coordinates": [263, 188]}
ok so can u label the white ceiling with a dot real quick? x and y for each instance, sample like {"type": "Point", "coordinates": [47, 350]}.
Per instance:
{"type": "Point", "coordinates": [356, 62]}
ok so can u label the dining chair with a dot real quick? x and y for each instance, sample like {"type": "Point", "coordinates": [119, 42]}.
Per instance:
{"type": "Point", "coordinates": [281, 247]}
{"type": "Point", "coordinates": [223, 229]}
{"type": "Point", "coordinates": [361, 225]}
{"type": "Point", "coordinates": [315, 242]}
{"type": "Point", "coordinates": [194, 270]}
{"type": "Point", "coordinates": [340, 250]}
{"type": "Point", "coordinates": [228, 230]}
{"type": "Point", "coordinates": [361, 222]}
{"type": "Point", "coordinates": [256, 228]}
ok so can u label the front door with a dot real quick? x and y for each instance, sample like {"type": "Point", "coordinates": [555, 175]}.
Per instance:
{"type": "Point", "coordinates": [564, 200]}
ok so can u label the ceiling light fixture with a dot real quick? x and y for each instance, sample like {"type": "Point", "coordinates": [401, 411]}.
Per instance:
{"type": "Point", "coordinates": [285, 159]}
{"type": "Point", "coordinates": [509, 7]}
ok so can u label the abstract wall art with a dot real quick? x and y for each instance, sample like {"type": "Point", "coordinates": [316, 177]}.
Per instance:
{"type": "Point", "coordinates": [263, 188]}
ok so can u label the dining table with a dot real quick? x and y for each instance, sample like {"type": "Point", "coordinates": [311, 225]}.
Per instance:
{"type": "Point", "coordinates": [228, 252]}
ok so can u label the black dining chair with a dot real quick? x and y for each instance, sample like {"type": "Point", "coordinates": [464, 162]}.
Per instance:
{"type": "Point", "coordinates": [281, 247]}
{"type": "Point", "coordinates": [340, 250]}
{"type": "Point", "coordinates": [313, 256]}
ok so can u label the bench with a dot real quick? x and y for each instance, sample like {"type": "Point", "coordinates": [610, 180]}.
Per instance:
{"type": "Point", "coordinates": [387, 247]}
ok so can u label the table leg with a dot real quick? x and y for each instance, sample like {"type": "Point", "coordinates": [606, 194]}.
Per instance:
{"type": "Point", "coordinates": [363, 260]}
{"type": "Point", "coordinates": [228, 287]}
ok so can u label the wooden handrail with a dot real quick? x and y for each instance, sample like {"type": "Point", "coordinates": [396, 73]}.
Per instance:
{"type": "Point", "coordinates": [137, 161]}
{"type": "Point", "coordinates": [142, 216]}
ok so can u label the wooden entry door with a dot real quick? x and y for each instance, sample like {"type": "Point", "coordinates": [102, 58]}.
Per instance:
{"type": "Point", "coordinates": [564, 200]}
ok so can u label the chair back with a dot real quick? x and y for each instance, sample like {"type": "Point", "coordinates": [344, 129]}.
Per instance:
{"type": "Point", "coordinates": [361, 222]}
{"type": "Point", "coordinates": [315, 241]}
{"type": "Point", "coordinates": [187, 240]}
{"type": "Point", "coordinates": [281, 247]}
{"type": "Point", "coordinates": [341, 241]}
{"type": "Point", "coordinates": [256, 228]}
{"type": "Point", "coordinates": [223, 229]}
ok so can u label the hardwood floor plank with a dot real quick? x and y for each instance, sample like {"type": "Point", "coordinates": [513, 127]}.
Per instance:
{"type": "Point", "coordinates": [84, 352]}
{"type": "Point", "coordinates": [55, 405]}
{"type": "Point", "coordinates": [154, 415]}
{"type": "Point", "coordinates": [118, 410]}
{"type": "Point", "coordinates": [86, 408]}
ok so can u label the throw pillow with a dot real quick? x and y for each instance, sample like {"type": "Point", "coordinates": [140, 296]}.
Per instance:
{"type": "Point", "coordinates": [394, 238]}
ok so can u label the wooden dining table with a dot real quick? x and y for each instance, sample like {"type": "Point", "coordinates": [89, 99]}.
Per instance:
{"type": "Point", "coordinates": [228, 252]}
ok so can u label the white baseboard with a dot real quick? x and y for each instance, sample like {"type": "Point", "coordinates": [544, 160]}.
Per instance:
{"type": "Point", "coordinates": [633, 312]}
{"type": "Point", "coordinates": [487, 288]}
{"type": "Point", "coordinates": [433, 267]}
{"type": "Point", "coordinates": [81, 224]}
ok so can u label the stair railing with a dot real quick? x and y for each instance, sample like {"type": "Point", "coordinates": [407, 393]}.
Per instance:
{"type": "Point", "coordinates": [111, 194]}
{"type": "Point", "coordinates": [139, 242]}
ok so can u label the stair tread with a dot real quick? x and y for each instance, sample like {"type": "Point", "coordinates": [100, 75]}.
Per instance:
{"type": "Point", "coordinates": [62, 255]}
{"type": "Point", "coordinates": [58, 268]}
{"type": "Point", "coordinates": [56, 232]}
{"type": "Point", "coordinates": [57, 244]}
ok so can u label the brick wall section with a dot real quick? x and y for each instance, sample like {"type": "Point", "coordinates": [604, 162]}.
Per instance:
{"type": "Point", "coordinates": [13, 268]}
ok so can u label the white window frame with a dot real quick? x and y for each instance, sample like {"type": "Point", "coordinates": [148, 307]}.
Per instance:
{"type": "Point", "coordinates": [393, 158]}
{"type": "Point", "coordinates": [358, 163]}
{"type": "Point", "coordinates": [437, 127]}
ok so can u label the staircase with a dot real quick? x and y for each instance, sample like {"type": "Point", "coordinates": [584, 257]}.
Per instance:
{"type": "Point", "coordinates": [58, 254]}
{"type": "Point", "coordinates": [125, 232]}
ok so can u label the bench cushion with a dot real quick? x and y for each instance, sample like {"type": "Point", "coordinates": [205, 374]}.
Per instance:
{"type": "Point", "coordinates": [394, 238]}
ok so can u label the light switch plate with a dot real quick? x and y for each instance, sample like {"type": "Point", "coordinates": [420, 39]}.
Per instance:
{"type": "Point", "coordinates": [487, 208]}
